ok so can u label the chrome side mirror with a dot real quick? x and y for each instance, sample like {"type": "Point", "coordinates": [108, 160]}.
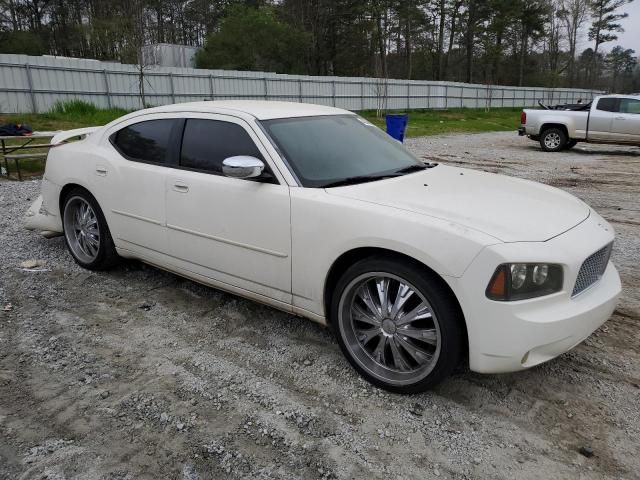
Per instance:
{"type": "Point", "coordinates": [242, 166]}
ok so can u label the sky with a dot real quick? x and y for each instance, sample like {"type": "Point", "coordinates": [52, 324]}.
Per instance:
{"type": "Point", "coordinates": [630, 38]}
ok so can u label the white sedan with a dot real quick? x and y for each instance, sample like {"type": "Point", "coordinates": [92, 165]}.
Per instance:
{"type": "Point", "coordinates": [315, 211]}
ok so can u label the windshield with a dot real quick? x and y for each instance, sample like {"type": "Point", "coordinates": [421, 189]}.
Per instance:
{"type": "Point", "coordinates": [338, 149]}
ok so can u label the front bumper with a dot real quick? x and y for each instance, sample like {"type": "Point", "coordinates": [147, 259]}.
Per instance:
{"type": "Point", "coordinates": [510, 336]}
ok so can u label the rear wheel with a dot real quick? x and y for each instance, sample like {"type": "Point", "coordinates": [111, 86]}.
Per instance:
{"type": "Point", "coordinates": [86, 232]}
{"type": "Point", "coordinates": [396, 324]}
{"type": "Point", "coordinates": [553, 140]}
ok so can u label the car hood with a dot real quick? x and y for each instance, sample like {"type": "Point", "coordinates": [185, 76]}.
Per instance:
{"type": "Point", "coordinates": [509, 209]}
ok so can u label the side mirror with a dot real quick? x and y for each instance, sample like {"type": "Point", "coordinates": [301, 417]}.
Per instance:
{"type": "Point", "coordinates": [242, 166]}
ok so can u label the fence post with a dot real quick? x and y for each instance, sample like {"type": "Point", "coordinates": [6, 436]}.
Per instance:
{"type": "Point", "coordinates": [30, 85]}
{"type": "Point", "coordinates": [408, 96]}
{"type": "Point", "coordinates": [446, 96]}
{"type": "Point", "coordinates": [266, 88]}
{"type": "Point", "coordinates": [106, 88]}
{"type": "Point", "coordinates": [462, 97]}
{"type": "Point", "coordinates": [428, 95]}
{"type": "Point", "coordinates": [362, 95]}
{"type": "Point", "coordinates": [212, 90]}
{"type": "Point", "coordinates": [300, 90]}
{"type": "Point", "coordinates": [333, 91]}
{"type": "Point", "coordinates": [477, 97]}
{"type": "Point", "coordinates": [502, 103]}
{"type": "Point", "coordinates": [173, 93]}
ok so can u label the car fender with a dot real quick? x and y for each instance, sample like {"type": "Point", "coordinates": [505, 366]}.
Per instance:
{"type": "Point", "coordinates": [324, 227]}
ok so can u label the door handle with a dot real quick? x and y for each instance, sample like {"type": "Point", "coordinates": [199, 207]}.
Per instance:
{"type": "Point", "coordinates": [621, 118]}
{"type": "Point", "coordinates": [180, 187]}
{"type": "Point", "coordinates": [100, 170]}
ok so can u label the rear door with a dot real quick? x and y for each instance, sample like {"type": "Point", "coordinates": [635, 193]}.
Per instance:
{"type": "Point", "coordinates": [601, 119]}
{"type": "Point", "coordinates": [146, 152]}
{"type": "Point", "coordinates": [626, 122]}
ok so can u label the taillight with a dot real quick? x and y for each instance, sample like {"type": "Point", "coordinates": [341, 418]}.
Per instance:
{"type": "Point", "coordinates": [523, 118]}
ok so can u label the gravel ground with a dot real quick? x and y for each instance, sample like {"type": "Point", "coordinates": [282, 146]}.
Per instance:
{"type": "Point", "coordinates": [137, 373]}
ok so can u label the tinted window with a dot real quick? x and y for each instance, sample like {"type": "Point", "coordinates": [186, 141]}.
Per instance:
{"type": "Point", "coordinates": [206, 143]}
{"type": "Point", "coordinates": [629, 105]}
{"type": "Point", "coordinates": [608, 104]}
{"type": "Point", "coordinates": [326, 149]}
{"type": "Point", "coordinates": [146, 141]}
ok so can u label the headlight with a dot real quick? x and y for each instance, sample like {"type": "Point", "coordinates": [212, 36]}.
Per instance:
{"type": "Point", "coordinates": [519, 281]}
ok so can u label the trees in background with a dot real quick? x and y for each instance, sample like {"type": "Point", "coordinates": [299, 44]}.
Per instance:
{"type": "Point", "coordinates": [517, 42]}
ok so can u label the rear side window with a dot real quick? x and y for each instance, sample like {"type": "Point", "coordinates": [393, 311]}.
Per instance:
{"type": "Point", "coordinates": [629, 105]}
{"type": "Point", "coordinates": [206, 143]}
{"type": "Point", "coordinates": [608, 104]}
{"type": "Point", "coordinates": [145, 141]}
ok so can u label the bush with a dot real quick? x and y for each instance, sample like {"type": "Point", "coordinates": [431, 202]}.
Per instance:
{"type": "Point", "coordinates": [84, 112]}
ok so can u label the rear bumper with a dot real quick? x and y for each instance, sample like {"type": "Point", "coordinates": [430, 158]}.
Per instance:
{"type": "Point", "coordinates": [44, 216]}
{"type": "Point", "coordinates": [511, 336]}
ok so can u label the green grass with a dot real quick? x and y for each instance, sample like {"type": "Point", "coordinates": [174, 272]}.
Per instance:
{"type": "Point", "coordinates": [62, 116]}
{"type": "Point", "coordinates": [65, 116]}
{"type": "Point", "coordinates": [78, 114]}
{"type": "Point", "coordinates": [463, 120]}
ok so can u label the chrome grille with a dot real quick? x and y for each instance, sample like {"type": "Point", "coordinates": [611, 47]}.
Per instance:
{"type": "Point", "coordinates": [592, 269]}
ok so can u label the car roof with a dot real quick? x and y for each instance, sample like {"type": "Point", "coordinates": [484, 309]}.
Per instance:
{"type": "Point", "coordinates": [260, 109]}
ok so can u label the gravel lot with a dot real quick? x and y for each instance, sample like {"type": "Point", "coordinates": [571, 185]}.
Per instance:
{"type": "Point", "coordinates": [137, 373]}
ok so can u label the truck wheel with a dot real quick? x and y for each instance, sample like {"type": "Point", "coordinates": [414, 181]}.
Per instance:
{"type": "Point", "coordinates": [570, 144]}
{"type": "Point", "coordinates": [553, 140]}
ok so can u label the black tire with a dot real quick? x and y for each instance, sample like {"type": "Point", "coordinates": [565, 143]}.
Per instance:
{"type": "Point", "coordinates": [445, 322]}
{"type": "Point", "coordinates": [553, 140]}
{"type": "Point", "coordinates": [570, 144]}
{"type": "Point", "coordinates": [105, 256]}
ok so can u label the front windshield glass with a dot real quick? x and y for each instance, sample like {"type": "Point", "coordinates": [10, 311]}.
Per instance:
{"type": "Point", "coordinates": [325, 150]}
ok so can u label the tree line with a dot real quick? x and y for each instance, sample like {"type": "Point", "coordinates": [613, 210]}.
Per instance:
{"type": "Point", "coordinates": [510, 42]}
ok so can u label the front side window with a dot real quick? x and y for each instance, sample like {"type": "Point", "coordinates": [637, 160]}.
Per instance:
{"type": "Point", "coordinates": [608, 104]}
{"type": "Point", "coordinates": [338, 149]}
{"type": "Point", "coordinates": [629, 105]}
{"type": "Point", "coordinates": [206, 143]}
{"type": "Point", "coordinates": [146, 141]}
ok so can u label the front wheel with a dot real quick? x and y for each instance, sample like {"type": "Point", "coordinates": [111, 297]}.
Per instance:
{"type": "Point", "coordinates": [397, 324]}
{"type": "Point", "coordinates": [553, 140]}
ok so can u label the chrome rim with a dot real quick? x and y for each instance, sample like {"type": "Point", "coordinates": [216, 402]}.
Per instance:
{"type": "Point", "coordinates": [81, 229]}
{"type": "Point", "coordinates": [390, 328]}
{"type": "Point", "coordinates": [552, 140]}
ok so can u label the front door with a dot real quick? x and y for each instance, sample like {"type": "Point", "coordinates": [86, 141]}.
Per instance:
{"type": "Point", "coordinates": [232, 230]}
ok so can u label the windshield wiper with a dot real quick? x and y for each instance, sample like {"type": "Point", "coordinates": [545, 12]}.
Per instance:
{"type": "Point", "coordinates": [371, 178]}
{"type": "Point", "coordinates": [410, 169]}
{"type": "Point", "coordinates": [357, 179]}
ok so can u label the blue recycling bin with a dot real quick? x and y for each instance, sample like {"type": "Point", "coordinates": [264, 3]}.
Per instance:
{"type": "Point", "coordinates": [396, 125]}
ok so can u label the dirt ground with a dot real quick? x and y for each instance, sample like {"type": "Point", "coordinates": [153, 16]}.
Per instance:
{"type": "Point", "coordinates": [137, 373]}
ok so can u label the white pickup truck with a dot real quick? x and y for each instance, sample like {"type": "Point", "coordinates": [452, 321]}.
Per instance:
{"type": "Point", "coordinates": [607, 119]}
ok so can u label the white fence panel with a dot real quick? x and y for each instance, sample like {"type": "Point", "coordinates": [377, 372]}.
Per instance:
{"type": "Point", "coordinates": [35, 84]}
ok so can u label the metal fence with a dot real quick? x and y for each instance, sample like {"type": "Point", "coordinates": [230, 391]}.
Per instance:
{"type": "Point", "coordinates": [35, 84]}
